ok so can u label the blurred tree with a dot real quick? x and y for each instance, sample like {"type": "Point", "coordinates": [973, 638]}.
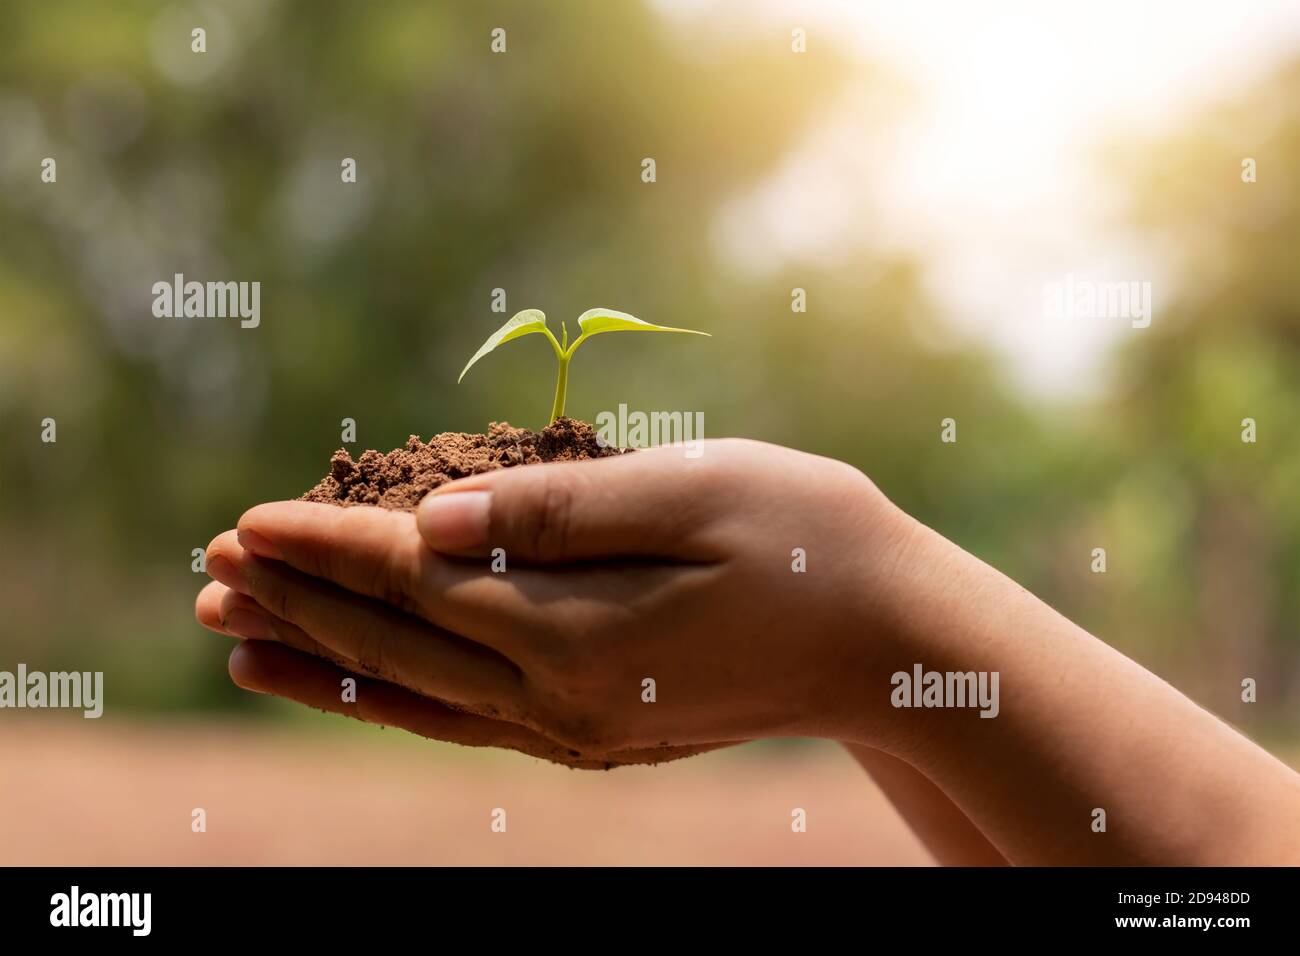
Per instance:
{"type": "Point", "coordinates": [521, 171]}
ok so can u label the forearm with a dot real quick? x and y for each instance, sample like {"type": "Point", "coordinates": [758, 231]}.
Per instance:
{"type": "Point", "coordinates": [946, 832]}
{"type": "Point", "coordinates": [1080, 728]}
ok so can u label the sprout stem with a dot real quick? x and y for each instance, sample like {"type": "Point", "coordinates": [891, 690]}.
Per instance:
{"type": "Point", "coordinates": [561, 386]}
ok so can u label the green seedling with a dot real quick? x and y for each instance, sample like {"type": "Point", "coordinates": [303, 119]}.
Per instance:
{"type": "Point", "coordinates": [592, 322]}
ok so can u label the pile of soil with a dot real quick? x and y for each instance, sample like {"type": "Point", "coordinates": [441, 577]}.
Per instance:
{"type": "Point", "coordinates": [401, 478]}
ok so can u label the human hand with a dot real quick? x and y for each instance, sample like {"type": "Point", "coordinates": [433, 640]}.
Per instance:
{"type": "Point", "coordinates": [647, 567]}
{"type": "Point", "coordinates": [279, 658]}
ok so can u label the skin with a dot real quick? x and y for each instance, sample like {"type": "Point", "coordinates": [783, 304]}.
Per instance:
{"type": "Point", "coordinates": [659, 566]}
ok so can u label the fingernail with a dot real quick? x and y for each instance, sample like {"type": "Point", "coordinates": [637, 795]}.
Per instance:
{"type": "Point", "coordinates": [246, 686]}
{"type": "Point", "coordinates": [247, 623]}
{"type": "Point", "coordinates": [242, 670]}
{"type": "Point", "coordinates": [252, 541]}
{"type": "Point", "coordinates": [223, 570]}
{"type": "Point", "coordinates": [455, 521]}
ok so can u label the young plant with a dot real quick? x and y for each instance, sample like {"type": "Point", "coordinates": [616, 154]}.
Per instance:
{"type": "Point", "coordinates": [592, 322]}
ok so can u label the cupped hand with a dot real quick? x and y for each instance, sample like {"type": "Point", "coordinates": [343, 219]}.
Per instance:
{"type": "Point", "coordinates": [639, 605]}
{"type": "Point", "coordinates": [279, 658]}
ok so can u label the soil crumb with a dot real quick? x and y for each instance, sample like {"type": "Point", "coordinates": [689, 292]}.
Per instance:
{"type": "Point", "coordinates": [399, 479]}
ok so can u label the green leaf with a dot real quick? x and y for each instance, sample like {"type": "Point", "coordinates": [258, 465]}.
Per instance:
{"type": "Point", "coordinates": [595, 321]}
{"type": "Point", "coordinates": [521, 323]}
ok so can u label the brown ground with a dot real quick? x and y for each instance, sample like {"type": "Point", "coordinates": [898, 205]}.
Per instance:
{"type": "Point", "coordinates": [86, 792]}
{"type": "Point", "coordinates": [402, 477]}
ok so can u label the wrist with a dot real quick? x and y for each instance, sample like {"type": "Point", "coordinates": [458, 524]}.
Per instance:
{"type": "Point", "coordinates": [886, 576]}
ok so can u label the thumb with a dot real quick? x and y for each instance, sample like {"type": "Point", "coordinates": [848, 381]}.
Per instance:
{"type": "Point", "coordinates": [652, 503]}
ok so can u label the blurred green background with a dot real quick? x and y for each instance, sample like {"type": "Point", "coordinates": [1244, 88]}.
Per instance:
{"type": "Point", "coordinates": [522, 171]}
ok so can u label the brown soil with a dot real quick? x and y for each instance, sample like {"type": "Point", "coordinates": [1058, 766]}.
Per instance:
{"type": "Point", "coordinates": [401, 478]}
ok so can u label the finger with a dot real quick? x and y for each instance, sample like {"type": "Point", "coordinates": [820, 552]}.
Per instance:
{"type": "Point", "coordinates": [653, 503]}
{"type": "Point", "coordinates": [222, 558]}
{"type": "Point", "coordinates": [237, 615]}
{"type": "Point", "coordinates": [244, 618]}
{"type": "Point", "coordinates": [225, 607]}
{"type": "Point", "coordinates": [228, 612]}
{"type": "Point", "coordinates": [207, 606]}
{"type": "Point", "coordinates": [383, 641]}
{"type": "Point", "coordinates": [372, 551]}
{"type": "Point", "coordinates": [268, 669]}
{"type": "Point", "coordinates": [379, 553]}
